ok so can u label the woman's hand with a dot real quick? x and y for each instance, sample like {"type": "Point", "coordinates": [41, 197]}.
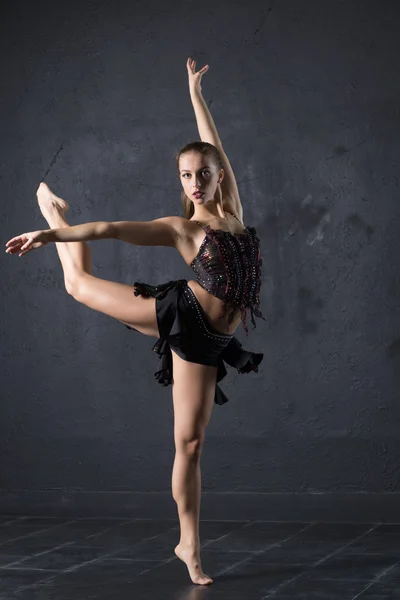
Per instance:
{"type": "Point", "coordinates": [195, 78]}
{"type": "Point", "coordinates": [27, 241]}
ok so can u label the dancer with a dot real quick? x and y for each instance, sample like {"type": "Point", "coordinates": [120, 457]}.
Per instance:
{"type": "Point", "coordinates": [193, 321]}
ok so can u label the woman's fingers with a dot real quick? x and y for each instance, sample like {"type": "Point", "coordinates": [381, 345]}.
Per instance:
{"type": "Point", "coordinates": [18, 241]}
{"type": "Point", "coordinates": [12, 249]}
{"type": "Point", "coordinates": [195, 78]}
{"type": "Point", "coordinates": [16, 249]}
{"type": "Point", "coordinates": [25, 251]}
{"type": "Point", "coordinates": [21, 250]}
{"type": "Point", "coordinates": [27, 243]}
{"type": "Point", "coordinates": [18, 246]}
{"type": "Point", "coordinates": [14, 240]}
{"type": "Point", "coordinates": [192, 65]}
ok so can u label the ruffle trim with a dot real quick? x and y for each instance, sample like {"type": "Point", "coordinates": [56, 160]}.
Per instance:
{"type": "Point", "coordinates": [233, 355]}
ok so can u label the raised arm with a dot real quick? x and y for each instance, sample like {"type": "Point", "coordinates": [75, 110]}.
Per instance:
{"type": "Point", "coordinates": [208, 133]}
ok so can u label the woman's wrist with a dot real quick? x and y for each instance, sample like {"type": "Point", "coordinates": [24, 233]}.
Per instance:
{"type": "Point", "coordinates": [50, 235]}
{"type": "Point", "coordinates": [194, 90]}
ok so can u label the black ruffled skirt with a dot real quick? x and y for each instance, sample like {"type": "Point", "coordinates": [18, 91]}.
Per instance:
{"type": "Point", "coordinates": [184, 327]}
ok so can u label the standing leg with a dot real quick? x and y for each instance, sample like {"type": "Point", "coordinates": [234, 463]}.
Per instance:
{"type": "Point", "coordinates": [193, 397]}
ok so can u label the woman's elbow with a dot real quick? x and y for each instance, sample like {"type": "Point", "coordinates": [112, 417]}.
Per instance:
{"type": "Point", "coordinates": [111, 230]}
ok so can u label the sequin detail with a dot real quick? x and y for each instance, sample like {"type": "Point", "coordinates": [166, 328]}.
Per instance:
{"type": "Point", "coordinates": [228, 265]}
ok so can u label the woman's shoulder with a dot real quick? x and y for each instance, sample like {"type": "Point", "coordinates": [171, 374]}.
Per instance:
{"type": "Point", "coordinates": [238, 220]}
{"type": "Point", "coordinates": [233, 207]}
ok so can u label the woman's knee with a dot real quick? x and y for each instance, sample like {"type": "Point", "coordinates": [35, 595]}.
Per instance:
{"type": "Point", "coordinates": [189, 447]}
{"type": "Point", "coordinates": [71, 285]}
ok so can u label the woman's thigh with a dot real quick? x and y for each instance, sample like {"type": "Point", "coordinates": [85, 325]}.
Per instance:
{"type": "Point", "coordinates": [117, 300]}
{"type": "Point", "coordinates": [193, 392]}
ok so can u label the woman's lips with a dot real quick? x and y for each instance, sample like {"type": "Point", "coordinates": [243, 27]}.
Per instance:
{"type": "Point", "coordinates": [198, 194]}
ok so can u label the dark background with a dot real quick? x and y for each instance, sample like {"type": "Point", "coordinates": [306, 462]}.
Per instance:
{"type": "Point", "coordinates": [305, 96]}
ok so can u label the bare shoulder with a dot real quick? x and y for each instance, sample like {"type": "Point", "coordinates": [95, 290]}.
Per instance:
{"type": "Point", "coordinates": [174, 231]}
{"type": "Point", "coordinates": [185, 231]}
{"type": "Point", "coordinates": [176, 225]}
{"type": "Point", "coordinates": [187, 237]}
{"type": "Point", "coordinates": [183, 227]}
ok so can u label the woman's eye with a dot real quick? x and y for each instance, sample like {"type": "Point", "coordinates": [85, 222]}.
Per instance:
{"type": "Point", "coordinates": [208, 172]}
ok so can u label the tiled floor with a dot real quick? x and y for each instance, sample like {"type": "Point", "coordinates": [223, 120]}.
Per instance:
{"type": "Point", "coordinates": [121, 559]}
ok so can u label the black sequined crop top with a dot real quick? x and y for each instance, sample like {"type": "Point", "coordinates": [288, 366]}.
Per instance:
{"type": "Point", "coordinates": [228, 266]}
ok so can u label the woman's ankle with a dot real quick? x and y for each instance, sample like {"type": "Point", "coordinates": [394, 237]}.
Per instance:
{"type": "Point", "coordinates": [190, 543]}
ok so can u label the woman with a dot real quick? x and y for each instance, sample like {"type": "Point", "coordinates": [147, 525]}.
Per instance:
{"type": "Point", "coordinates": [194, 321]}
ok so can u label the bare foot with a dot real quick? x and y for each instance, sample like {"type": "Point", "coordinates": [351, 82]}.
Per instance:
{"type": "Point", "coordinates": [49, 201]}
{"type": "Point", "coordinates": [192, 560]}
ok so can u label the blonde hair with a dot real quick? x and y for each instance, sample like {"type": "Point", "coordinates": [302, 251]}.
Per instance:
{"type": "Point", "coordinates": [205, 149]}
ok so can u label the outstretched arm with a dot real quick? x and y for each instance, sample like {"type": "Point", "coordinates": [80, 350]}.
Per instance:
{"type": "Point", "coordinates": [166, 231]}
{"type": "Point", "coordinates": [159, 232]}
{"type": "Point", "coordinates": [26, 242]}
{"type": "Point", "coordinates": [208, 133]}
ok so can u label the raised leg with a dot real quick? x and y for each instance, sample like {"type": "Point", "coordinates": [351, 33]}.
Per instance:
{"type": "Point", "coordinates": [75, 257]}
{"type": "Point", "coordinates": [111, 298]}
{"type": "Point", "coordinates": [193, 392]}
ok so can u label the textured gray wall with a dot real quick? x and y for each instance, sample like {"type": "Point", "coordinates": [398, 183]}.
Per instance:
{"type": "Point", "coordinates": [306, 99]}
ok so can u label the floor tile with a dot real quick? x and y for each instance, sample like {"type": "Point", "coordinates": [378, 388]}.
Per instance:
{"type": "Point", "coordinates": [73, 559]}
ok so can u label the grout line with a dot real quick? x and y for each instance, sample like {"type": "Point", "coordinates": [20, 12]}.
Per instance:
{"type": "Point", "coordinates": [248, 558]}
{"type": "Point", "coordinates": [245, 524]}
{"type": "Point", "coordinates": [377, 578]}
{"type": "Point", "coordinates": [7, 565]}
{"type": "Point", "coordinates": [316, 563]}
{"type": "Point", "coordinates": [39, 531]}
{"type": "Point", "coordinates": [88, 562]}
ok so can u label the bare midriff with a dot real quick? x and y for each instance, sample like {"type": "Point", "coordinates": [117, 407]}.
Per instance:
{"type": "Point", "coordinates": [212, 307]}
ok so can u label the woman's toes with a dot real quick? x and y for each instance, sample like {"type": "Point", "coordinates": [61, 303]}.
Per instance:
{"type": "Point", "coordinates": [43, 189]}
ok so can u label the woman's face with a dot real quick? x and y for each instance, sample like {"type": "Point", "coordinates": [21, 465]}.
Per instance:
{"type": "Point", "coordinates": [199, 173]}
